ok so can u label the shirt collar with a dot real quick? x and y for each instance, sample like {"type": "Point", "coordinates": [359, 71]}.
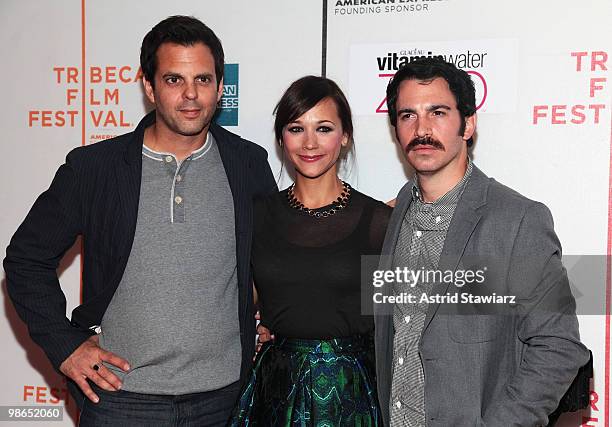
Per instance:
{"type": "Point", "coordinates": [160, 155]}
{"type": "Point", "coordinates": [452, 196]}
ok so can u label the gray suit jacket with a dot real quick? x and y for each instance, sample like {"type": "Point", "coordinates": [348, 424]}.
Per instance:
{"type": "Point", "coordinates": [492, 369]}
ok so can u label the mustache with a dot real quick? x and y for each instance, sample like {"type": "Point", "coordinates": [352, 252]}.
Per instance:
{"type": "Point", "coordinates": [427, 140]}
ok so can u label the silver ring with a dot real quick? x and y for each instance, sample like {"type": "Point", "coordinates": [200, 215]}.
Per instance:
{"type": "Point", "coordinates": [96, 367]}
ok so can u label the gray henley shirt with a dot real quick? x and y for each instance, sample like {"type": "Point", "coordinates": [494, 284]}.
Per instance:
{"type": "Point", "coordinates": [174, 316]}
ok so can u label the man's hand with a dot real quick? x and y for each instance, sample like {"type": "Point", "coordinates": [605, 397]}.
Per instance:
{"type": "Point", "coordinates": [263, 333]}
{"type": "Point", "coordinates": [86, 362]}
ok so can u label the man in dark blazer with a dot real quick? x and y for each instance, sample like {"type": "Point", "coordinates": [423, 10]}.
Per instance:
{"type": "Point", "coordinates": [165, 332]}
{"type": "Point", "coordinates": [457, 362]}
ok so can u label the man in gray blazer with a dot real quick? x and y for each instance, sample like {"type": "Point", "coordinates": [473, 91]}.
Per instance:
{"type": "Point", "coordinates": [448, 357]}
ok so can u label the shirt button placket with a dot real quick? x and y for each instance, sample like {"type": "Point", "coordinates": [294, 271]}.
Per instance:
{"type": "Point", "coordinates": [179, 195]}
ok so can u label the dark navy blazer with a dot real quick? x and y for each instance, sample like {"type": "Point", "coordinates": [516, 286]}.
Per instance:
{"type": "Point", "coordinates": [95, 195]}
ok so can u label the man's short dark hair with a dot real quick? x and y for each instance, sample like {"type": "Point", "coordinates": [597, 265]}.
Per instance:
{"type": "Point", "coordinates": [305, 93]}
{"type": "Point", "coordinates": [183, 30]}
{"type": "Point", "coordinates": [427, 69]}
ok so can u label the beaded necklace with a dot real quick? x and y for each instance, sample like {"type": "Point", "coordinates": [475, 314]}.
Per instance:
{"type": "Point", "coordinates": [337, 205]}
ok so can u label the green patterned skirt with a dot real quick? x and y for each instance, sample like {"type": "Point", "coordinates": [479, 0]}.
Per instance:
{"type": "Point", "coordinates": [322, 383]}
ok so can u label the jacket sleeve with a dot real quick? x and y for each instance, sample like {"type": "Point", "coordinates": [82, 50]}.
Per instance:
{"type": "Point", "coordinates": [32, 258]}
{"type": "Point", "coordinates": [547, 327]}
{"type": "Point", "coordinates": [264, 182]}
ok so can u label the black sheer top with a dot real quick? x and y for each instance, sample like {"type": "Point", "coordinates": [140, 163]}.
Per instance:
{"type": "Point", "coordinates": [307, 269]}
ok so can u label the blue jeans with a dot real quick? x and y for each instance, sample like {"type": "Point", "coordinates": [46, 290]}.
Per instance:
{"type": "Point", "coordinates": [124, 408]}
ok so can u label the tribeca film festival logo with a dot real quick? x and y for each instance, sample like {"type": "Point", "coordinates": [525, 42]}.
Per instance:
{"type": "Point", "coordinates": [409, 279]}
{"type": "Point", "coordinates": [594, 65]}
{"type": "Point", "coordinates": [45, 395]}
{"type": "Point", "coordinates": [369, 7]}
{"type": "Point", "coordinates": [40, 403]}
{"type": "Point", "coordinates": [102, 97]}
{"type": "Point", "coordinates": [390, 63]}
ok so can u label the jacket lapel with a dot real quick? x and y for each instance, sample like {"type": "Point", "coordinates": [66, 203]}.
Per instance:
{"type": "Point", "coordinates": [128, 173]}
{"type": "Point", "coordinates": [404, 198]}
{"type": "Point", "coordinates": [383, 313]}
{"type": "Point", "coordinates": [466, 217]}
{"type": "Point", "coordinates": [235, 164]}
{"type": "Point", "coordinates": [231, 159]}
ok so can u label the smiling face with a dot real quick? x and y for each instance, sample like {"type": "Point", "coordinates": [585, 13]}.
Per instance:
{"type": "Point", "coordinates": [313, 141]}
{"type": "Point", "coordinates": [430, 128]}
{"type": "Point", "coordinates": [186, 90]}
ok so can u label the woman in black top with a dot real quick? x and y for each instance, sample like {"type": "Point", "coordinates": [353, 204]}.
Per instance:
{"type": "Point", "coordinates": [307, 247]}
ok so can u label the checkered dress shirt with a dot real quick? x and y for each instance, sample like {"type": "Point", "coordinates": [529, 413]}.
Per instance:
{"type": "Point", "coordinates": [419, 246]}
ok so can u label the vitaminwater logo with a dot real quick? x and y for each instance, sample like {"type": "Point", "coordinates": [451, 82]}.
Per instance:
{"type": "Point", "coordinates": [491, 64]}
{"type": "Point", "coordinates": [472, 61]}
